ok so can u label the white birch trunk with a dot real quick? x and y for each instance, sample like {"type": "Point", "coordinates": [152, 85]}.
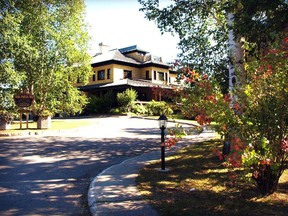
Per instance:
{"type": "Point", "coordinates": [236, 67]}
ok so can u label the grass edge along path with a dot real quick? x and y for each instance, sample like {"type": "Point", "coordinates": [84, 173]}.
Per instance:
{"type": "Point", "coordinates": [197, 183]}
{"type": "Point", "coordinates": [56, 124]}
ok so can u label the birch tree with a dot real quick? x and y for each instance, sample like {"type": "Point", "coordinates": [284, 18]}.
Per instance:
{"type": "Point", "coordinates": [212, 32]}
{"type": "Point", "coordinates": [252, 39]}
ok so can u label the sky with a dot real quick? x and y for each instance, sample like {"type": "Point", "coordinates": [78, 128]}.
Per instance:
{"type": "Point", "coordinates": [119, 23]}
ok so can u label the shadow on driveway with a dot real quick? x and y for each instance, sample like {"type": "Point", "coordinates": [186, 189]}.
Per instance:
{"type": "Point", "coordinates": [51, 175]}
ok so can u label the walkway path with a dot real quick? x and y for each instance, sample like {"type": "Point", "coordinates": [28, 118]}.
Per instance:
{"type": "Point", "coordinates": [114, 192]}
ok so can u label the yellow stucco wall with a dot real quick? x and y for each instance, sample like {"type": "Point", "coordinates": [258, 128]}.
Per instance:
{"type": "Point", "coordinates": [117, 73]}
{"type": "Point", "coordinates": [173, 78]}
{"type": "Point", "coordinates": [106, 80]}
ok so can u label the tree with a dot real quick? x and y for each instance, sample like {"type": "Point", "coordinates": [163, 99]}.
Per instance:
{"type": "Point", "coordinates": [255, 119]}
{"type": "Point", "coordinates": [265, 118]}
{"type": "Point", "coordinates": [203, 28]}
{"type": "Point", "coordinates": [44, 47]}
{"type": "Point", "coordinates": [257, 123]}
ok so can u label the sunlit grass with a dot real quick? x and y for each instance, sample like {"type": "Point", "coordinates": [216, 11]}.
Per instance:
{"type": "Point", "coordinates": [201, 186]}
{"type": "Point", "coordinates": [56, 124]}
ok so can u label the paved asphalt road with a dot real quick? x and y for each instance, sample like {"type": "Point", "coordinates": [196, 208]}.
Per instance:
{"type": "Point", "coordinates": [50, 175]}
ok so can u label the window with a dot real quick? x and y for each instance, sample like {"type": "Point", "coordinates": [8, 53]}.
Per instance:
{"type": "Point", "coordinates": [94, 77]}
{"type": "Point", "coordinates": [147, 75]}
{"type": "Point", "coordinates": [166, 76]}
{"type": "Point", "coordinates": [108, 74]}
{"type": "Point", "coordinates": [101, 74]}
{"type": "Point", "coordinates": [155, 77]}
{"type": "Point", "coordinates": [127, 74]}
{"type": "Point", "coordinates": [161, 76]}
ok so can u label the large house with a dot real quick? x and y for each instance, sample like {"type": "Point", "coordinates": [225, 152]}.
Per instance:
{"type": "Point", "coordinates": [129, 67]}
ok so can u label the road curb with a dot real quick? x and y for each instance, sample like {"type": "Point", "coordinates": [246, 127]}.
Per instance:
{"type": "Point", "coordinates": [114, 190]}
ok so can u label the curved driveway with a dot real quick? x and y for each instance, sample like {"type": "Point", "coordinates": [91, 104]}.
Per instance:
{"type": "Point", "coordinates": [50, 175]}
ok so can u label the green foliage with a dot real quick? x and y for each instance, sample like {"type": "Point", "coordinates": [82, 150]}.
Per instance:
{"type": "Point", "coordinates": [6, 116]}
{"type": "Point", "coordinates": [46, 113]}
{"type": "Point", "coordinates": [255, 122]}
{"type": "Point", "coordinates": [44, 48]}
{"type": "Point", "coordinates": [115, 111]}
{"type": "Point", "coordinates": [261, 22]}
{"type": "Point", "coordinates": [126, 99]}
{"type": "Point", "coordinates": [158, 108]}
{"type": "Point", "coordinates": [264, 118]}
{"type": "Point", "coordinates": [100, 104]}
{"type": "Point", "coordinates": [8, 109]}
{"type": "Point", "coordinates": [202, 27]}
{"type": "Point", "coordinates": [7, 101]}
{"type": "Point", "coordinates": [255, 114]}
{"type": "Point", "coordinates": [139, 109]}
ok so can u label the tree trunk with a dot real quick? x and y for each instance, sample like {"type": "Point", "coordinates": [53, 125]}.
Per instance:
{"type": "Point", "coordinates": [236, 62]}
{"type": "Point", "coordinates": [266, 179]}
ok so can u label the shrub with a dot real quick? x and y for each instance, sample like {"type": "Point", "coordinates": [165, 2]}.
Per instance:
{"type": "Point", "coordinates": [159, 108]}
{"type": "Point", "coordinates": [102, 104]}
{"type": "Point", "coordinates": [115, 111]}
{"type": "Point", "coordinates": [126, 99]}
{"type": "Point", "coordinates": [253, 120]}
{"type": "Point", "coordinates": [139, 109]}
{"type": "Point", "coordinates": [6, 116]}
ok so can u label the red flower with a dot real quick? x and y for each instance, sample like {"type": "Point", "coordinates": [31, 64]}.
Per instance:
{"type": "Point", "coordinates": [236, 107]}
{"type": "Point", "coordinates": [211, 98]}
{"type": "Point", "coordinates": [171, 141]}
{"type": "Point", "coordinates": [204, 77]}
{"type": "Point", "coordinates": [202, 119]}
{"type": "Point", "coordinates": [227, 98]}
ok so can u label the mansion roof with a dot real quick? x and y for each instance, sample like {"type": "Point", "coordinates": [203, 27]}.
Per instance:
{"type": "Point", "coordinates": [123, 56]}
{"type": "Point", "coordinates": [125, 82]}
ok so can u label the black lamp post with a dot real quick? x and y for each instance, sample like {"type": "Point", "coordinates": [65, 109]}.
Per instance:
{"type": "Point", "coordinates": [162, 125]}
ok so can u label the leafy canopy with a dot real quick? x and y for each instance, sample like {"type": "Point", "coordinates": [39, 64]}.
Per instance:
{"type": "Point", "coordinates": [43, 49]}
{"type": "Point", "coordinates": [203, 29]}
{"type": "Point", "coordinates": [256, 122]}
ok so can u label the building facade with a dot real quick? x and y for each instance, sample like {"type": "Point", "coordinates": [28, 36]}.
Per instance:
{"type": "Point", "coordinates": [130, 67]}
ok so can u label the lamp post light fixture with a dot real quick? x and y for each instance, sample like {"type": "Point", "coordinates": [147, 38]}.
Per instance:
{"type": "Point", "coordinates": [162, 125]}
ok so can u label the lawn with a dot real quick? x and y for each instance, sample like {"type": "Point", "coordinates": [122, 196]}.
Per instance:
{"type": "Point", "coordinates": [197, 183]}
{"type": "Point", "coordinates": [57, 124]}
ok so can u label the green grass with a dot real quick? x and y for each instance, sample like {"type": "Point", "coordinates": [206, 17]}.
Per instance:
{"type": "Point", "coordinates": [197, 167]}
{"type": "Point", "coordinates": [56, 124]}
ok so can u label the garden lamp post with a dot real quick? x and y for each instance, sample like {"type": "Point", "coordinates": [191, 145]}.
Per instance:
{"type": "Point", "coordinates": [162, 125]}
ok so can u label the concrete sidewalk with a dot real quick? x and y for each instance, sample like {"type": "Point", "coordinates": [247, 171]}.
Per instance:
{"type": "Point", "coordinates": [114, 191]}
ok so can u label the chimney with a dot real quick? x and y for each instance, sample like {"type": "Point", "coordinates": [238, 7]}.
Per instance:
{"type": "Point", "coordinates": [103, 48]}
